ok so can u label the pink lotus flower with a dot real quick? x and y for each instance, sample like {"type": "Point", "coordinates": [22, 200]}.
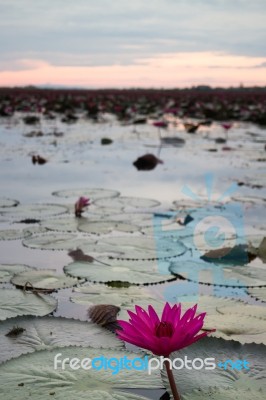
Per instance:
{"type": "Point", "coordinates": [80, 205]}
{"type": "Point", "coordinates": [162, 336]}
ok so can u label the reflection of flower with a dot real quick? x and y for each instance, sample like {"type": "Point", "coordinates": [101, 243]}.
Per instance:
{"type": "Point", "coordinates": [162, 336]}
{"type": "Point", "coordinates": [80, 205]}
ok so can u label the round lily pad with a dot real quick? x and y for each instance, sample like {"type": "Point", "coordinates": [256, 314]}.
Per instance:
{"type": "Point", "coordinates": [125, 202]}
{"type": "Point", "coordinates": [13, 234]}
{"type": "Point", "coordinates": [36, 211]}
{"type": "Point", "coordinates": [8, 202]}
{"type": "Point", "coordinates": [8, 270]}
{"type": "Point", "coordinates": [258, 293]}
{"type": "Point", "coordinates": [137, 273]}
{"type": "Point", "coordinates": [51, 241]}
{"type": "Point", "coordinates": [34, 375]}
{"type": "Point", "coordinates": [15, 302]}
{"type": "Point", "coordinates": [43, 279]}
{"type": "Point", "coordinates": [144, 247]}
{"type": "Point", "coordinates": [28, 334]}
{"type": "Point", "coordinates": [93, 194]}
{"type": "Point", "coordinates": [208, 380]}
{"type": "Point", "coordinates": [214, 274]}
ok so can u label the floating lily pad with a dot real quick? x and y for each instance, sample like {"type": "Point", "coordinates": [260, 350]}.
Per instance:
{"type": "Point", "coordinates": [42, 380]}
{"type": "Point", "coordinates": [258, 293]}
{"type": "Point", "coordinates": [8, 202]}
{"type": "Point", "coordinates": [13, 234]}
{"type": "Point", "coordinates": [207, 273]}
{"type": "Point", "coordinates": [103, 227]}
{"type": "Point", "coordinates": [243, 328]}
{"type": "Point", "coordinates": [36, 211]}
{"type": "Point", "coordinates": [125, 202]}
{"type": "Point", "coordinates": [48, 333]}
{"type": "Point", "coordinates": [51, 241]}
{"type": "Point", "coordinates": [8, 270]}
{"type": "Point", "coordinates": [43, 279]}
{"type": "Point", "coordinates": [253, 379]}
{"type": "Point", "coordinates": [249, 310]}
{"type": "Point", "coordinates": [93, 194]}
{"type": "Point", "coordinates": [137, 273]}
{"type": "Point", "coordinates": [16, 302]}
{"type": "Point", "coordinates": [144, 247]}
{"type": "Point", "coordinates": [92, 294]}
{"type": "Point", "coordinates": [241, 393]}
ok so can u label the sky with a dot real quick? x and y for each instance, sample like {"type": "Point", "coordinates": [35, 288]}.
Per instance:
{"type": "Point", "coordinates": [123, 44]}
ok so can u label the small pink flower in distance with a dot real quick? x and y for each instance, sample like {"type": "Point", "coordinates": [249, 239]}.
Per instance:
{"type": "Point", "coordinates": [163, 335]}
{"type": "Point", "coordinates": [227, 126]}
{"type": "Point", "coordinates": [80, 205]}
{"type": "Point", "coordinates": [160, 124]}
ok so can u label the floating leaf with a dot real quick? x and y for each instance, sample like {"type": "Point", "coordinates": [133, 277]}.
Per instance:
{"type": "Point", "coordinates": [104, 227]}
{"type": "Point", "coordinates": [213, 274]}
{"type": "Point", "coordinates": [241, 393]}
{"type": "Point", "coordinates": [43, 279]}
{"type": "Point", "coordinates": [48, 333]}
{"type": "Point", "coordinates": [8, 202]}
{"type": "Point", "coordinates": [103, 314]}
{"type": "Point", "coordinates": [93, 194]}
{"type": "Point", "coordinates": [258, 293]}
{"type": "Point", "coordinates": [253, 379]}
{"type": "Point", "coordinates": [33, 375]}
{"type": "Point", "coordinates": [144, 247]}
{"type": "Point", "coordinates": [13, 234]}
{"type": "Point", "coordinates": [97, 271]}
{"type": "Point", "coordinates": [249, 310]}
{"type": "Point", "coordinates": [244, 329]}
{"type": "Point", "coordinates": [16, 302]}
{"type": "Point", "coordinates": [8, 270]}
{"type": "Point", "coordinates": [37, 211]}
{"type": "Point", "coordinates": [262, 250]}
{"type": "Point", "coordinates": [124, 202]}
{"type": "Point", "coordinates": [51, 241]}
{"type": "Point", "coordinates": [238, 255]}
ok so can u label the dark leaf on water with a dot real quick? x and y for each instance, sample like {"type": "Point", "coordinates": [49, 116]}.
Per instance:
{"type": "Point", "coordinates": [237, 255]}
{"type": "Point", "coordinates": [78, 255]}
{"type": "Point", "coordinates": [147, 162]}
{"type": "Point", "coordinates": [104, 315]}
{"type": "Point", "coordinates": [38, 160]}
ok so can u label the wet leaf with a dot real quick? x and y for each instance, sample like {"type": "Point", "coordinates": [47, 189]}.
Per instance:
{"type": "Point", "coordinates": [16, 302]}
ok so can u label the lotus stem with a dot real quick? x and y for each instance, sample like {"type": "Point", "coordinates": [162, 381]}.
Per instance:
{"type": "Point", "coordinates": [171, 380]}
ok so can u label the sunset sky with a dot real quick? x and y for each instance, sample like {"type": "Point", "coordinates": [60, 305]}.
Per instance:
{"type": "Point", "coordinates": [103, 43]}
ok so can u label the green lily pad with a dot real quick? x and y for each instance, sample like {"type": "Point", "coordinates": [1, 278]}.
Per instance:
{"type": "Point", "coordinates": [244, 329]}
{"type": "Point", "coordinates": [258, 293]}
{"type": "Point", "coordinates": [36, 211]}
{"type": "Point", "coordinates": [220, 394]}
{"type": "Point", "coordinates": [16, 302]}
{"type": "Point", "coordinates": [253, 379]}
{"type": "Point", "coordinates": [137, 273]}
{"type": "Point", "coordinates": [8, 270]}
{"type": "Point", "coordinates": [93, 194]}
{"type": "Point", "coordinates": [13, 234]}
{"type": "Point", "coordinates": [43, 279]}
{"type": "Point", "coordinates": [51, 241]}
{"type": "Point", "coordinates": [217, 274]}
{"type": "Point", "coordinates": [8, 202]}
{"type": "Point", "coordinates": [125, 202]}
{"type": "Point", "coordinates": [33, 375]}
{"type": "Point", "coordinates": [91, 294]}
{"type": "Point", "coordinates": [143, 247]}
{"type": "Point", "coordinates": [50, 332]}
